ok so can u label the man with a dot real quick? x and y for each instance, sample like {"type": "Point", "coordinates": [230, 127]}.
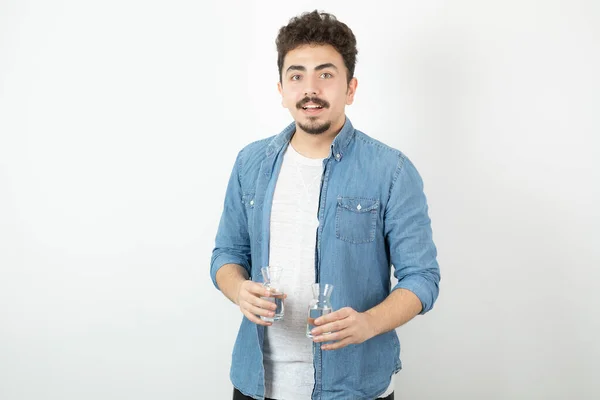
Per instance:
{"type": "Point", "coordinates": [330, 205]}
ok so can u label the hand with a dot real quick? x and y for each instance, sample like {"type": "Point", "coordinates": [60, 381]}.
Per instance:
{"type": "Point", "coordinates": [346, 325]}
{"type": "Point", "coordinates": [250, 302]}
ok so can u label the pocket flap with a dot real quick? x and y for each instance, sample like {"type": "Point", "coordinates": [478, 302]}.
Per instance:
{"type": "Point", "coordinates": [358, 204]}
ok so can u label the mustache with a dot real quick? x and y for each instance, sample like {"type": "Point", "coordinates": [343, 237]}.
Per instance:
{"type": "Point", "coordinates": [314, 100]}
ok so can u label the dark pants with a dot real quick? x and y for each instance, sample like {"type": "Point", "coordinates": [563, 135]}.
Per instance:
{"type": "Point", "coordinates": [237, 395]}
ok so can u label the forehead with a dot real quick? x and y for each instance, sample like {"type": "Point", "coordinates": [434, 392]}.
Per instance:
{"type": "Point", "coordinates": [313, 55]}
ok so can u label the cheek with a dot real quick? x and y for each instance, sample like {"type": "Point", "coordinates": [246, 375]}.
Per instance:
{"type": "Point", "coordinates": [290, 99]}
{"type": "Point", "coordinates": [339, 101]}
{"type": "Point", "coordinates": [337, 97]}
{"type": "Point", "coordinates": [289, 102]}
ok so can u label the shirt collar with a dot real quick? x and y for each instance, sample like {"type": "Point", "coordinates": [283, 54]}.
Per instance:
{"type": "Point", "coordinates": [338, 146]}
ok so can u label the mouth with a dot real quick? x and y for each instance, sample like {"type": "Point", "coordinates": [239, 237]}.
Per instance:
{"type": "Point", "coordinates": [312, 109]}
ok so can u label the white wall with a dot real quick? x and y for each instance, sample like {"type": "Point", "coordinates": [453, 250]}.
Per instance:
{"type": "Point", "coordinates": [119, 123]}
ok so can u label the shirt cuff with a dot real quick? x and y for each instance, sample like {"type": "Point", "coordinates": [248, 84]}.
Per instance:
{"type": "Point", "coordinates": [423, 288]}
{"type": "Point", "coordinates": [223, 259]}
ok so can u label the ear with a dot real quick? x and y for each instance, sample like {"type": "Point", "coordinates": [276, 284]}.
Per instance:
{"type": "Point", "coordinates": [280, 90]}
{"type": "Point", "coordinates": [351, 91]}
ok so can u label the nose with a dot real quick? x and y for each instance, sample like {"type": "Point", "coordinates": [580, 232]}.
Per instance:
{"type": "Point", "coordinates": [311, 87]}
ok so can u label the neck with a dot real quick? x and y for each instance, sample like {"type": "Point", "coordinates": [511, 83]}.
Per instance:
{"type": "Point", "coordinates": [315, 146]}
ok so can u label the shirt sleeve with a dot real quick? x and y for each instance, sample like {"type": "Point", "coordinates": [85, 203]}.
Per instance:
{"type": "Point", "coordinates": [232, 242]}
{"type": "Point", "coordinates": [409, 236]}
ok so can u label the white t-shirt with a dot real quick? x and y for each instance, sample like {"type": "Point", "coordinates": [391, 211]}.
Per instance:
{"type": "Point", "coordinates": [288, 359]}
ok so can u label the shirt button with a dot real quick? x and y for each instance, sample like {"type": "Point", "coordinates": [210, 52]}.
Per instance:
{"type": "Point", "coordinates": [338, 156]}
{"type": "Point", "coordinates": [251, 202]}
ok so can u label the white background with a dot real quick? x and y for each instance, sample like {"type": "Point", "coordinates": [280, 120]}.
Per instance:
{"type": "Point", "coordinates": [119, 124]}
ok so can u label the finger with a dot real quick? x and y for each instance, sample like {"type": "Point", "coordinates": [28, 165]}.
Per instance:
{"type": "Point", "coordinates": [260, 303]}
{"type": "Point", "coordinates": [255, 319]}
{"type": "Point", "coordinates": [257, 289]}
{"type": "Point", "coordinates": [332, 337]}
{"type": "Point", "coordinates": [331, 327]}
{"type": "Point", "coordinates": [337, 345]}
{"type": "Point", "coordinates": [258, 310]}
{"type": "Point", "coordinates": [334, 316]}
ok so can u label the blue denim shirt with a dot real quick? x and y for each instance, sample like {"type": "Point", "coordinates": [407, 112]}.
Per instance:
{"type": "Point", "coordinates": [372, 214]}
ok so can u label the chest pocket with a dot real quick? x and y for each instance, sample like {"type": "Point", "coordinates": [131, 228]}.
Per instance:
{"type": "Point", "coordinates": [356, 219]}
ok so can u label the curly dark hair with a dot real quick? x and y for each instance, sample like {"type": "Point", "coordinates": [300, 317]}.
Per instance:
{"type": "Point", "coordinates": [317, 28]}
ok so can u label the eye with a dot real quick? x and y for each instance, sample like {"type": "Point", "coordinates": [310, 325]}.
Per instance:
{"type": "Point", "coordinates": [326, 75]}
{"type": "Point", "coordinates": [295, 77]}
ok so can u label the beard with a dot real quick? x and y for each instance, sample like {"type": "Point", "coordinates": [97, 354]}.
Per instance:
{"type": "Point", "coordinates": [314, 127]}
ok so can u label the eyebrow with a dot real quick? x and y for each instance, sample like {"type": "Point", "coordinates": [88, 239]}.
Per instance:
{"type": "Point", "coordinates": [317, 68]}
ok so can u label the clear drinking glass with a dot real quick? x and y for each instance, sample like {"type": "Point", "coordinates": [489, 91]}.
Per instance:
{"type": "Point", "coordinates": [319, 305]}
{"type": "Point", "coordinates": [272, 281]}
